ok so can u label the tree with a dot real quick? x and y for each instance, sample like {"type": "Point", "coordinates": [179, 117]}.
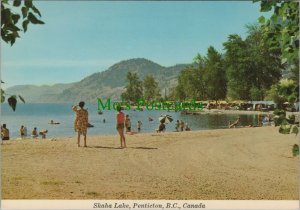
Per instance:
{"type": "Point", "coordinates": [134, 88]}
{"type": "Point", "coordinates": [151, 89]}
{"type": "Point", "coordinates": [252, 65]}
{"type": "Point", "coordinates": [265, 65]}
{"type": "Point", "coordinates": [214, 75]}
{"type": "Point", "coordinates": [237, 72]}
{"type": "Point", "coordinates": [190, 82]}
{"type": "Point", "coordinates": [10, 30]}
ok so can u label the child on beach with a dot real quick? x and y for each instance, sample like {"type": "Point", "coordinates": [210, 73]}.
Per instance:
{"type": "Point", "coordinates": [43, 133]}
{"type": "Point", "coordinates": [181, 125]}
{"type": "Point", "coordinates": [138, 125]}
{"type": "Point", "coordinates": [120, 126]}
{"type": "Point", "coordinates": [177, 125]}
{"type": "Point", "coordinates": [187, 128]}
{"type": "Point", "coordinates": [127, 123]}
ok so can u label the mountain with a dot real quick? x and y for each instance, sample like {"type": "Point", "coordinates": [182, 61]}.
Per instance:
{"type": "Point", "coordinates": [106, 84]}
{"type": "Point", "coordinates": [35, 93]}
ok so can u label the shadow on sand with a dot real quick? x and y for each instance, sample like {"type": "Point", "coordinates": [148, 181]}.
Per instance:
{"type": "Point", "coordinates": [106, 147]}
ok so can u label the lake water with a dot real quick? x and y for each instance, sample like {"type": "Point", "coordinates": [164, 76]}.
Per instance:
{"type": "Point", "coordinates": [39, 115]}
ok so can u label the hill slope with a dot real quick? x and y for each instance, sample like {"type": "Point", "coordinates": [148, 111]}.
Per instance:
{"type": "Point", "coordinates": [110, 83]}
{"type": "Point", "coordinates": [41, 94]}
{"type": "Point", "coordinates": [106, 84]}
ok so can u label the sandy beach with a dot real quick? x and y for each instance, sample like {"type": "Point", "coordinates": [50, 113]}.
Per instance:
{"type": "Point", "coordinates": [242, 163]}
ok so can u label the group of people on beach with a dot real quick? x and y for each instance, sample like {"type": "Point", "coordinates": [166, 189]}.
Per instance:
{"type": "Point", "coordinates": [34, 133]}
{"type": "Point", "coordinates": [267, 120]}
{"type": "Point", "coordinates": [128, 124]}
{"type": "Point", "coordinates": [123, 124]}
{"type": "Point", "coordinates": [23, 132]}
{"type": "Point", "coordinates": [81, 124]}
{"type": "Point", "coordinates": [181, 126]}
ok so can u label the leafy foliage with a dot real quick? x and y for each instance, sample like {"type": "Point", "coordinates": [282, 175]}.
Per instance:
{"type": "Point", "coordinates": [134, 88]}
{"type": "Point", "coordinates": [252, 66]}
{"type": "Point", "coordinates": [151, 89]}
{"type": "Point", "coordinates": [295, 130]}
{"type": "Point", "coordinates": [205, 79]}
{"type": "Point", "coordinates": [10, 19]}
{"type": "Point", "coordinates": [282, 29]}
{"type": "Point", "coordinates": [214, 75]}
{"type": "Point", "coordinates": [286, 90]}
{"type": "Point", "coordinates": [287, 126]}
{"type": "Point", "coordinates": [12, 101]}
{"type": "Point", "coordinates": [295, 150]}
{"type": "Point", "coordinates": [190, 83]}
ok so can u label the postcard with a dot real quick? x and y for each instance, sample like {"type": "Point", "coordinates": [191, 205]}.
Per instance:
{"type": "Point", "coordinates": [149, 105]}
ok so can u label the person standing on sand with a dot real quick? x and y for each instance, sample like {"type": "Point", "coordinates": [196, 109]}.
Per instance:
{"type": "Point", "coordinates": [4, 133]}
{"type": "Point", "coordinates": [81, 122]}
{"type": "Point", "coordinates": [120, 126]}
{"type": "Point", "coordinates": [22, 134]}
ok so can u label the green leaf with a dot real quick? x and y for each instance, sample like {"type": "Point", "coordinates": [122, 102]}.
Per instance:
{"type": "Point", "coordinates": [24, 12]}
{"type": "Point", "coordinates": [2, 96]}
{"type": "Point", "coordinates": [295, 130]}
{"type": "Point", "coordinates": [33, 19]}
{"type": "Point", "coordinates": [295, 150]}
{"type": "Point", "coordinates": [36, 11]}
{"type": "Point", "coordinates": [15, 18]}
{"type": "Point", "coordinates": [266, 6]}
{"type": "Point", "coordinates": [17, 3]}
{"type": "Point", "coordinates": [285, 129]}
{"type": "Point", "coordinates": [2, 81]}
{"type": "Point", "coordinates": [28, 3]}
{"type": "Point", "coordinates": [25, 24]}
{"type": "Point", "coordinates": [261, 19]}
{"type": "Point", "coordinates": [22, 99]}
{"type": "Point", "coordinates": [12, 102]}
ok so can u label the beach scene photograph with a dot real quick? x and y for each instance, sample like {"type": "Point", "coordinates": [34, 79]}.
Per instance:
{"type": "Point", "coordinates": [151, 100]}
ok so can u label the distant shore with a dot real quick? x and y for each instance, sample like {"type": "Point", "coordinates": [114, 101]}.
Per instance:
{"type": "Point", "coordinates": [238, 164]}
{"type": "Point", "coordinates": [235, 112]}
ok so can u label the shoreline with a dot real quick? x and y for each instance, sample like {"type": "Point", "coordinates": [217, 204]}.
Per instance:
{"type": "Point", "coordinates": [236, 164]}
{"type": "Point", "coordinates": [235, 112]}
{"type": "Point", "coordinates": [135, 133]}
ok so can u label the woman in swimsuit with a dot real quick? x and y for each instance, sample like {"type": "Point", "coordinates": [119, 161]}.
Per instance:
{"type": "Point", "coordinates": [120, 126]}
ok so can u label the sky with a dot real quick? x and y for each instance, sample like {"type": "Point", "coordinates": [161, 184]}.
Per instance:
{"type": "Point", "coordinates": [80, 38]}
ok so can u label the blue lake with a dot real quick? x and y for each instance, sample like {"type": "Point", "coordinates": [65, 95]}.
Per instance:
{"type": "Point", "coordinates": [39, 115]}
